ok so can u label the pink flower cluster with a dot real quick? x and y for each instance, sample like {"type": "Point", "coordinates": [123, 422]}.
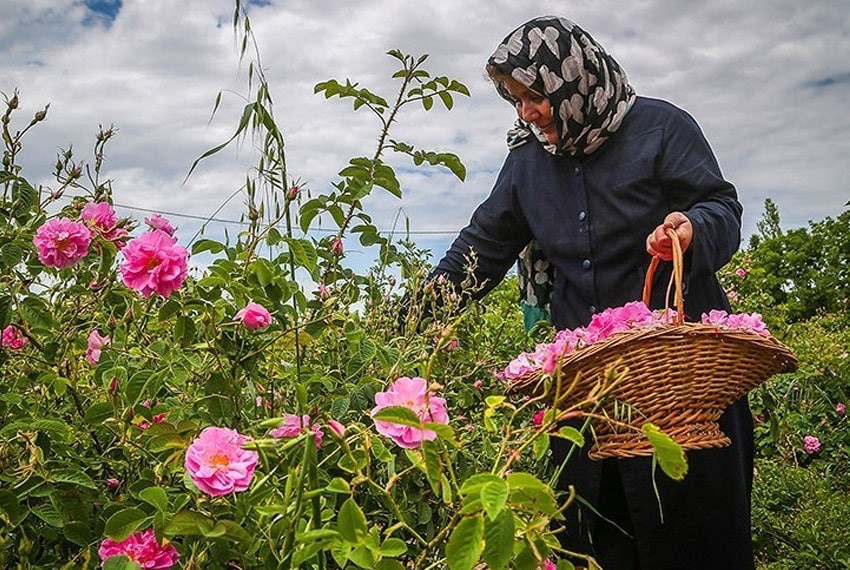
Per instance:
{"type": "Point", "coordinates": [217, 463]}
{"type": "Point", "coordinates": [292, 426]}
{"type": "Point", "coordinates": [811, 444]}
{"type": "Point", "coordinates": [61, 242]}
{"type": "Point", "coordinates": [157, 222]}
{"type": "Point", "coordinates": [412, 393]}
{"type": "Point", "coordinates": [752, 322]}
{"type": "Point", "coordinates": [12, 338]}
{"type": "Point", "coordinates": [634, 315]}
{"type": "Point", "coordinates": [143, 549]}
{"type": "Point", "coordinates": [154, 263]}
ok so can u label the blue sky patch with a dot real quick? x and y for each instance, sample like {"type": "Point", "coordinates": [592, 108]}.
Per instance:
{"type": "Point", "coordinates": [103, 11]}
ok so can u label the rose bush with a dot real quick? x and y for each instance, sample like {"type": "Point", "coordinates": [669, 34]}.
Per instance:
{"type": "Point", "coordinates": [269, 411]}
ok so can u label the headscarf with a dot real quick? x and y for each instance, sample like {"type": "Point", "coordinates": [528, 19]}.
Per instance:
{"type": "Point", "coordinates": [588, 90]}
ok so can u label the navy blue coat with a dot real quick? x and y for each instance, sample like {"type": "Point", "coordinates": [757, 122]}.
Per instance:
{"type": "Point", "coordinates": [592, 216]}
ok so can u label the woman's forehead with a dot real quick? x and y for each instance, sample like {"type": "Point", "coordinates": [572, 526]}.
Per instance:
{"type": "Point", "coordinates": [517, 89]}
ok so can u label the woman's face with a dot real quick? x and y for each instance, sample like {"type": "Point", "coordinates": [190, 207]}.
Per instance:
{"type": "Point", "coordinates": [532, 107]}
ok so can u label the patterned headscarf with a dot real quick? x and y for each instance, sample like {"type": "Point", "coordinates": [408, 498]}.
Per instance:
{"type": "Point", "coordinates": [588, 90]}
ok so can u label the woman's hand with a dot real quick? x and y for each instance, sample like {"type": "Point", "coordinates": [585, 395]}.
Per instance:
{"type": "Point", "coordinates": [658, 243]}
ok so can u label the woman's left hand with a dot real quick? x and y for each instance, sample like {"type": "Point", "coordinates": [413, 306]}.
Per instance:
{"type": "Point", "coordinates": [658, 243]}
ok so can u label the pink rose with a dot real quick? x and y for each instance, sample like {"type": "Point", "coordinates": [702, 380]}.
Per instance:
{"type": "Point", "coordinates": [740, 272]}
{"type": "Point", "coordinates": [157, 222]}
{"type": "Point", "coordinates": [413, 394]}
{"type": "Point", "coordinates": [96, 343]}
{"type": "Point", "coordinates": [112, 483]}
{"type": "Point", "coordinates": [154, 263]}
{"type": "Point", "coordinates": [811, 444]}
{"type": "Point", "coordinates": [839, 409]}
{"type": "Point", "coordinates": [323, 292]}
{"type": "Point", "coordinates": [143, 549]}
{"type": "Point", "coordinates": [217, 463]}
{"type": "Point", "coordinates": [61, 242]}
{"type": "Point", "coordinates": [549, 565]}
{"type": "Point", "coordinates": [337, 247]}
{"type": "Point", "coordinates": [100, 216]}
{"type": "Point", "coordinates": [292, 426]}
{"type": "Point", "coordinates": [537, 420]}
{"type": "Point", "coordinates": [254, 316]}
{"type": "Point", "coordinates": [12, 338]}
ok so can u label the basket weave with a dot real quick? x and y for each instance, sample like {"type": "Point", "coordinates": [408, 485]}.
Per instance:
{"type": "Point", "coordinates": [681, 377]}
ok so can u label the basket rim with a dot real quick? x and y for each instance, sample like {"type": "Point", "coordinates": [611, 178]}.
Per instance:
{"type": "Point", "coordinates": [776, 350]}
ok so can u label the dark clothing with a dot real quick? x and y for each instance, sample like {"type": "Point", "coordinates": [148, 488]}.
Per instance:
{"type": "Point", "coordinates": [591, 215]}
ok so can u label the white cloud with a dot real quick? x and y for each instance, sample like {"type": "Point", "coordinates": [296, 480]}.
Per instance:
{"type": "Point", "coordinates": [755, 75]}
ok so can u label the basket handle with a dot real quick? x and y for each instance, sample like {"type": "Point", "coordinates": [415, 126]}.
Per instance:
{"type": "Point", "coordinates": [675, 279]}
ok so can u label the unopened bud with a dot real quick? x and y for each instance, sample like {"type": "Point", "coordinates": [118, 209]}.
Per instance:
{"type": "Point", "coordinates": [13, 102]}
{"type": "Point", "coordinates": [40, 115]}
{"type": "Point", "coordinates": [293, 192]}
{"type": "Point", "coordinates": [337, 247]}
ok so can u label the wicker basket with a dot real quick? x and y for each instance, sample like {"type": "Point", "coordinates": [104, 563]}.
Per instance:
{"type": "Point", "coordinates": [681, 377]}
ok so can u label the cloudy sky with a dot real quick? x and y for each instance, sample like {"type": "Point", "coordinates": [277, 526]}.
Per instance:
{"type": "Point", "coordinates": [768, 81]}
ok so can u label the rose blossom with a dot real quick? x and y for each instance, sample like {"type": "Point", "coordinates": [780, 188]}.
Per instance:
{"type": "Point", "coordinates": [217, 463]}
{"type": "Point", "coordinates": [537, 420]}
{"type": "Point", "coordinates": [412, 393]}
{"type": "Point", "coordinates": [839, 409]}
{"type": "Point", "coordinates": [143, 549]}
{"type": "Point", "coordinates": [337, 247]}
{"type": "Point", "coordinates": [292, 426]}
{"type": "Point", "coordinates": [12, 338]}
{"type": "Point", "coordinates": [740, 272]}
{"type": "Point", "coordinates": [96, 343]}
{"type": "Point", "coordinates": [811, 444]}
{"type": "Point", "coordinates": [99, 215]}
{"type": "Point", "coordinates": [548, 565]}
{"type": "Point", "coordinates": [61, 242]}
{"type": "Point", "coordinates": [112, 483]}
{"type": "Point", "coordinates": [157, 222]}
{"type": "Point", "coordinates": [254, 316]}
{"type": "Point", "coordinates": [154, 263]}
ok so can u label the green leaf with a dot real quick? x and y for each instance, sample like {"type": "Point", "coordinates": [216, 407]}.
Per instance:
{"type": "Point", "coordinates": [474, 484]}
{"type": "Point", "coordinates": [494, 496]}
{"type": "Point", "coordinates": [499, 541]}
{"type": "Point", "coordinates": [120, 563]}
{"type": "Point", "coordinates": [541, 445]}
{"type": "Point", "coordinates": [188, 523]}
{"type": "Point", "coordinates": [71, 476]}
{"type": "Point", "coordinates": [465, 543]}
{"type": "Point", "coordinates": [351, 522]}
{"type": "Point", "coordinates": [571, 434]}
{"type": "Point", "coordinates": [398, 415]}
{"type": "Point", "coordinates": [671, 456]}
{"type": "Point", "coordinates": [338, 485]}
{"type": "Point", "coordinates": [304, 253]}
{"type": "Point", "coordinates": [156, 497]}
{"type": "Point", "coordinates": [134, 389]}
{"type": "Point", "coordinates": [5, 311]}
{"type": "Point", "coordinates": [263, 272]}
{"type": "Point", "coordinates": [48, 514]}
{"type": "Point", "coordinates": [124, 523]}
{"type": "Point", "coordinates": [393, 547]}
{"type": "Point", "coordinates": [433, 465]}
{"type": "Point", "coordinates": [207, 245]}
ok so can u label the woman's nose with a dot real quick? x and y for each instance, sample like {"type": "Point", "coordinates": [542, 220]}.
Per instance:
{"type": "Point", "coordinates": [527, 111]}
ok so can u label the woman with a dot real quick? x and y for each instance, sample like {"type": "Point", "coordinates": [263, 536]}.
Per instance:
{"type": "Point", "coordinates": [595, 175]}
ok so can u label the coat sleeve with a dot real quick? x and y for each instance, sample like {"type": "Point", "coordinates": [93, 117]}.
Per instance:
{"type": "Point", "coordinates": [692, 181]}
{"type": "Point", "coordinates": [491, 242]}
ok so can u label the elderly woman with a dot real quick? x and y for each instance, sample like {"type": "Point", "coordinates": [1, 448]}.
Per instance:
{"type": "Point", "coordinates": [594, 176]}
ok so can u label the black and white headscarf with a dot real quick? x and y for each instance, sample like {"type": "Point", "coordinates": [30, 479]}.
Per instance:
{"type": "Point", "coordinates": [588, 90]}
